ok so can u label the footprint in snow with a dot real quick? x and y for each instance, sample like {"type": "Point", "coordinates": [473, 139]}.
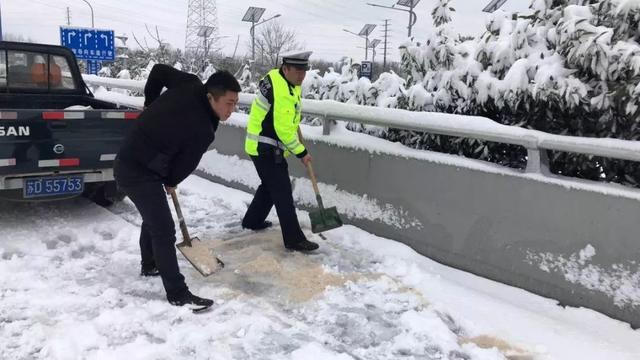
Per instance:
{"type": "Point", "coordinates": [59, 240]}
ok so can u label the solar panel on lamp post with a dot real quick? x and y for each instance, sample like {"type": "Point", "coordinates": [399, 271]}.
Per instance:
{"type": "Point", "coordinates": [373, 45]}
{"type": "Point", "coordinates": [253, 15]}
{"type": "Point", "coordinates": [367, 29]}
{"type": "Point", "coordinates": [205, 32]}
{"type": "Point", "coordinates": [411, 4]}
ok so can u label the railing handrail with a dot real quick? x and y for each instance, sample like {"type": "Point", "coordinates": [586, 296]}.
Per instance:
{"type": "Point", "coordinates": [443, 124]}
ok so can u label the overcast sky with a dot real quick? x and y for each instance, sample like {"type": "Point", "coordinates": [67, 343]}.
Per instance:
{"type": "Point", "coordinates": [318, 23]}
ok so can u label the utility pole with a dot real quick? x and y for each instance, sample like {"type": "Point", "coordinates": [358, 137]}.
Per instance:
{"type": "Point", "coordinates": [386, 36]}
{"type": "Point", "coordinates": [68, 17]}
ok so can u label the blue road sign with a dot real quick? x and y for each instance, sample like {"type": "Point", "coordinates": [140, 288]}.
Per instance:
{"type": "Point", "coordinates": [89, 44]}
{"type": "Point", "coordinates": [366, 69]}
{"type": "Point", "coordinates": [93, 66]}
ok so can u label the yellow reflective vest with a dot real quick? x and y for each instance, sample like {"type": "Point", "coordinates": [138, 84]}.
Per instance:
{"type": "Point", "coordinates": [275, 117]}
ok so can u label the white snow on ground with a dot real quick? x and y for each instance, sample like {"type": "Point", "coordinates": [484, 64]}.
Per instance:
{"type": "Point", "coordinates": [234, 169]}
{"type": "Point", "coordinates": [620, 281]}
{"type": "Point", "coordinates": [70, 290]}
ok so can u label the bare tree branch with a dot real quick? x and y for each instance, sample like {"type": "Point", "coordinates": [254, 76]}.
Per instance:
{"type": "Point", "coordinates": [275, 39]}
{"type": "Point", "coordinates": [138, 42]}
{"type": "Point", "coordinates": [156, 37]}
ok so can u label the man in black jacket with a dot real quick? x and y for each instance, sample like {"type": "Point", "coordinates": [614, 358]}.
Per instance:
{"type": "Point", "coordinates": [163, 148]}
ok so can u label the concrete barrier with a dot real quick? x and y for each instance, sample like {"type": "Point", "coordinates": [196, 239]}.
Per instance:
{"type": "Point", "coordinates": [562, 238]}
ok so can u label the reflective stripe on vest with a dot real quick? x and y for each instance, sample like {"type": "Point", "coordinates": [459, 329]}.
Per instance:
{"type": "Point", "coordinates": [267, 140]}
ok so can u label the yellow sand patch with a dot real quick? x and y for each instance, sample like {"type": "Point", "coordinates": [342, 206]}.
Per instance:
{"type": "Point", "coordinates": [488, 342]}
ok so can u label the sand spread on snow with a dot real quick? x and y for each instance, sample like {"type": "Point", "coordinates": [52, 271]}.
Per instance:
{"type": "Point", "coordinates": [258, 263]}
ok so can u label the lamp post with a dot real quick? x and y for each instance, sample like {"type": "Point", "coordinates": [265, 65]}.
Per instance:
{"type": "Point", "coordinates": [364, 33]}
{"type": "Point", "coordinates": [253, 16]}
{"type": "Point", "coordinates": [253, 35]}
{"type": "Point", "coordinates": [373, 45]}
{"type": "Point", "coordinates": [205, 32]}
{"type": "Point", "coordinates": [90, 7]}
{"type": "Point", "coordinates": [411, 4]}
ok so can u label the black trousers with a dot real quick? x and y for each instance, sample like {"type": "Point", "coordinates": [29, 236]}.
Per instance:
{"type": "Point", "coordinates": [275, 189]}
{"type": "Point", "coordinates": [158, 233]}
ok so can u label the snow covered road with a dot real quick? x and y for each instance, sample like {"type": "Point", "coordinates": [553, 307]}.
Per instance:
{"type": "Point", "coordinates": [69, 289]}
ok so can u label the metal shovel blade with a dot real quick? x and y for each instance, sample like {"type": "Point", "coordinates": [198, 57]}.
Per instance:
{"type": "Point", "coordinates": [200, 256]}
{"type": "Point", "coordinates": [324, 219]}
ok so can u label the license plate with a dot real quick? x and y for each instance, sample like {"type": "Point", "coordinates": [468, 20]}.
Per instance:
{"type": "Point", "coordinates": [52, 186]}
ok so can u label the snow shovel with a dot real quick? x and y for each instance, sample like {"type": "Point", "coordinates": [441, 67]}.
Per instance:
{"type": "Point", "coordinates": [194, 250]}
{"type": "Point", "coordinates": [322, 219]}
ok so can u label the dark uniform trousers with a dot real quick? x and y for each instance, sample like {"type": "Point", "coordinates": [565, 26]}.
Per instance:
{"type": "Point", "coordinates": [275, 189]}
{"type": "Point", "coordinates": [158, 233]}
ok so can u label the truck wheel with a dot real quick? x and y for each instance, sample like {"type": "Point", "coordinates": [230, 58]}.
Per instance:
{"type": "Point", "coordinates": [104, 194]}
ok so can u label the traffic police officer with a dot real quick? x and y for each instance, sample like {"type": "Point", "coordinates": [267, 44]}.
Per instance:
{"type": "Point", "coordinates": [163, 148]}
{"type": "Point", "coordinates": [272, 134]}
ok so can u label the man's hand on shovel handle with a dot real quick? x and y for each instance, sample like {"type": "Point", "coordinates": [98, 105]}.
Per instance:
{"type": "Point", "coordinates": [169, 189]}
{"type": "Point", "coordinates": [306, 159]}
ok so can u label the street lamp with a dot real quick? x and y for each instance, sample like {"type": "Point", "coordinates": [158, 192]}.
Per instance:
{"type": "Point", "coordinates": [411, 4]}
{"type": "Point", "coordinates": [373, 45]}
{"type": "Point", "coordinates": [90, 7]}
{"type": "Point", "coordinates": [253, 16]}
{"type": "Point", "coordinates": [205, 32]}
{"type": "Point", "coordinates": [364, 33]}
{"type": "Point", "coordinates": [253, 37]}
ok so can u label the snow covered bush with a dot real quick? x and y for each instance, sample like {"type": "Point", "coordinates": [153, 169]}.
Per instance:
{"type": "Point", "coordinates": [568, 67]}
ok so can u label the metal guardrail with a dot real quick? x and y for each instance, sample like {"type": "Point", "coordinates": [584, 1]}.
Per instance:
{"type": "Point", "coordinates": [536, 142]}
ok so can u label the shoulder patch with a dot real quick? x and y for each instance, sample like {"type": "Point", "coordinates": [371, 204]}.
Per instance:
{"type": "Point", "coordinates": [265, 87]}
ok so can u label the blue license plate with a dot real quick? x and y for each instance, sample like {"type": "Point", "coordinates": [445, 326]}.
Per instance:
{"type": "Point", "coordinates": [52, 186]}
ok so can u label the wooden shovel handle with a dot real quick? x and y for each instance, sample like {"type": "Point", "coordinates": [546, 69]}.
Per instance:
{"type": "Point", "coordinates": [313, 178]}
{"type": "Point", "coordinates": [183, 227]}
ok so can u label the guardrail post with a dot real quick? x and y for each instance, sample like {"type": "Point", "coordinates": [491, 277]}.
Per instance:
{"type": "Point", "coordinates": [326, 125]}
{"type": "Point", "coordinates": [537, 161]}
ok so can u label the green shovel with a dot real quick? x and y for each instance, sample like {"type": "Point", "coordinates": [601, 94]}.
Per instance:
{"type": "Point", "coordinates": [322, 219]}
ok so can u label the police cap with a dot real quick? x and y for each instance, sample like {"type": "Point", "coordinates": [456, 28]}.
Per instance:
{"type": "Point", "coordinates": [297, 58]}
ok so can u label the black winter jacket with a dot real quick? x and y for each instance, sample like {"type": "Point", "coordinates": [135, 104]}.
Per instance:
{"type": "Point", "coordinates": [171, 134]}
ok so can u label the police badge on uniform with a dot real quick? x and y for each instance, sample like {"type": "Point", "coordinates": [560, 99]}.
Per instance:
{"type": "Point", "coordinates": [265, 87]}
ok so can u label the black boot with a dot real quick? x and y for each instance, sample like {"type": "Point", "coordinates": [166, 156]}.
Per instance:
{"type": "Point", "coordinates": [149, 270]}
{"type": "Point", "coordinates": [189, 299]}
{"type": "Point", "coordinates": [265, 224]}
{"type": "Point", "coordinates": [303, 246]}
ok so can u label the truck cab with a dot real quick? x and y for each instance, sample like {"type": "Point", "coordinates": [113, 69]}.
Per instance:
{"type": "Point", "coordinates": [56, 140]}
